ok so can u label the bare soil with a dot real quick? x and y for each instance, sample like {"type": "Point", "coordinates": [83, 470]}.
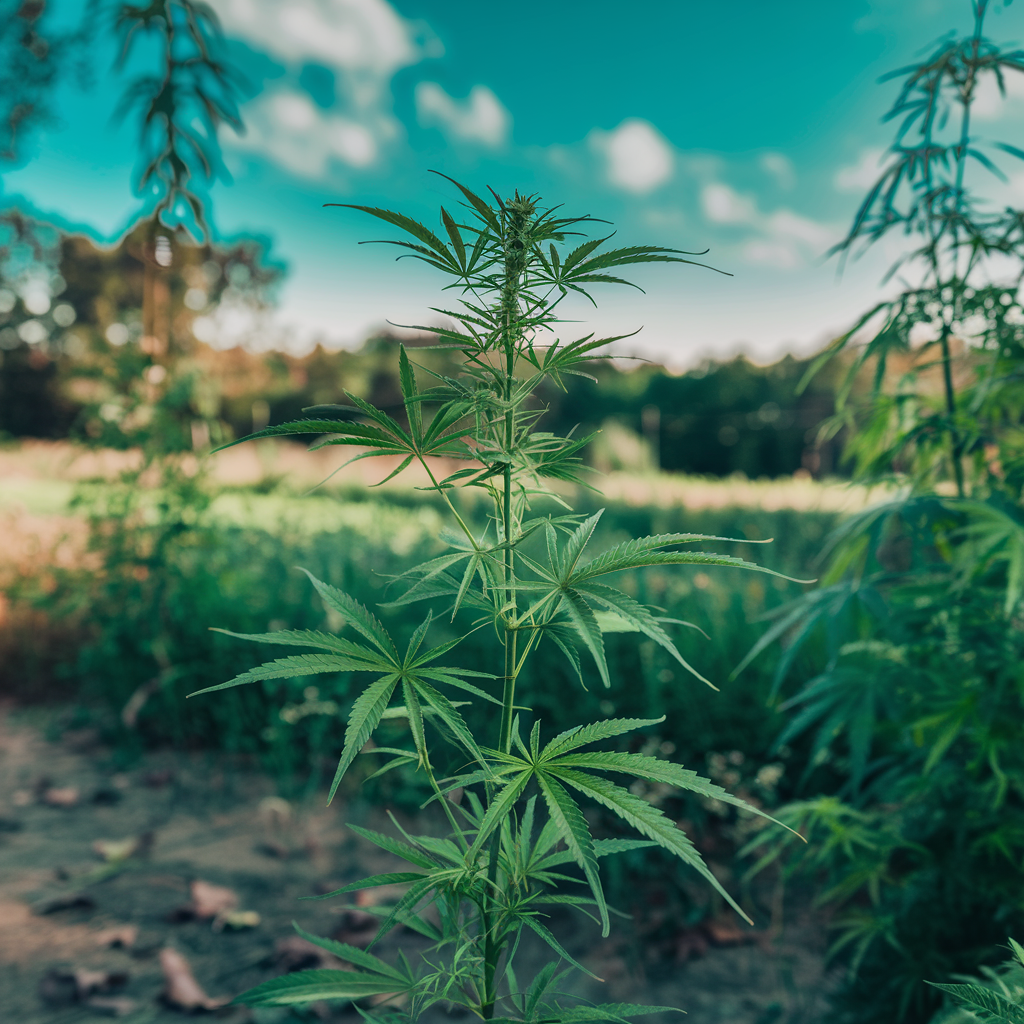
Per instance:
{"type": "Point", "coordinates": [83, 926]}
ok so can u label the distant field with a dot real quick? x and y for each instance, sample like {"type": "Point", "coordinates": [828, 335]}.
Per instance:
{"type": "Point", "coordinates": [38, 478]}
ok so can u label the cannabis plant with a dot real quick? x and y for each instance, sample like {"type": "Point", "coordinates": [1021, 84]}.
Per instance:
{"type": "Point", "coordinates": [516, 842]}
{"type": "Point", "coordinates": [911, 725]}
{"type": "Point", "coordinates": [997, 999]}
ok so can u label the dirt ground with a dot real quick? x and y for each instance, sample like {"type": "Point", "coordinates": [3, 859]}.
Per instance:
{"type": "Point", "coordinates": [103, 872]}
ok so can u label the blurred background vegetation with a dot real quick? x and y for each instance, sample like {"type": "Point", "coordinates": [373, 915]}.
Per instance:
{"type": "Point", "coordinates": [881, 710]}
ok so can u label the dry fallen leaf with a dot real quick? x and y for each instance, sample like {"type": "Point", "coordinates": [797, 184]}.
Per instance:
{"type": "Point", "coordinates": [181, 989]}
{"type": "Point", "coordinates": [61, 796]}
{"type": "Point", "coordinates": [211, 900]}
{"type": "Point", "coordinates": [725, 933]}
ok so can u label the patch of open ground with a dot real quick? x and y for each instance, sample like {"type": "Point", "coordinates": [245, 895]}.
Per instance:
{"type": "Point", "coordinates": [112, 879]}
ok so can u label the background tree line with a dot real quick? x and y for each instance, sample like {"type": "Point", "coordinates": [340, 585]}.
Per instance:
{"type": "Point", "coordinates": [72, 350]}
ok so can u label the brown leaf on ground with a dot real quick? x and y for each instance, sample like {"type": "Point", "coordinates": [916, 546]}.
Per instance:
{"type": "Point", "coordinates": [695, 942]}
{"type": "Point", "coordinates": [122, 936]}
{"type": "Point", "coordinates": [181, 990]}
{"type": "Point", "coordinates": [723, 932]}
{"type": "Point", "coordinates": [61, 796]}
{"type": "Point", "coordinates": [211, 900]}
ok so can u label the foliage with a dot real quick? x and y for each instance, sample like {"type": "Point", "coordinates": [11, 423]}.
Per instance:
{"type": "Point", "coordinates": [182, 105]}
{"type": "Point", "coordinates": [136, 611]}
{"type": "Point", "coordinates": [523, 576]}
{"type": "Point", "coordinates": [998, 1001]}
{"type": "Point", "coordinates": [32, 60]}
{"type": "Point", "coordinates": [913, 714]}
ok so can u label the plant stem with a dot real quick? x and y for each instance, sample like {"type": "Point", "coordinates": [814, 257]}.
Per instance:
{"type": "Point", "coordinates": [955, 443]}
{"type": "Point", "coordinates": [514, 267]}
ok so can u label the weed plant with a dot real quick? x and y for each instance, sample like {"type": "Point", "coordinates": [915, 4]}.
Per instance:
{"type": "Point", "coordinates": [915, 783]}
{"type": "Point", "coordinates": [517, 841]}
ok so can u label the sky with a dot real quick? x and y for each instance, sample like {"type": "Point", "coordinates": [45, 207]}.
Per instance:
{"type": "Point", "coordinates": [747, 128]}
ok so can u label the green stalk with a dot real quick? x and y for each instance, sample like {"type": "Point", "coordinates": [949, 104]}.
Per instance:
{"type": "Point", "coordinates": [514, 269]}
{"type": "Point", "coordinates": [955, 443]}
{"type": "Point", "coordinates": [967, 98]}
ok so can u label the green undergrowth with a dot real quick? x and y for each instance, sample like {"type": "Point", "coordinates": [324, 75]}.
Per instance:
{"type": "Point", "coordinates": [134, 637]}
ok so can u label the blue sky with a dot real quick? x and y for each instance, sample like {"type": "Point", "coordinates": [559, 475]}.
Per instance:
{"type": "Point", "coordinates": [747, 127]}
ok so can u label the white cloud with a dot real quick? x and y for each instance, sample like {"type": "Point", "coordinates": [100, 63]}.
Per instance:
{"type": "Point", "coordinates": [364, 42]}
{"type": "Point", "coordinates": [785, 224]}
{"type": "Point", "coordinates": [723, 205]}
{"type": "Point", "coordinates": [780, 167]}
{"type": "Point", "coordinates": [638, 157]}
{"type": "Point", "coordinates": [781, 239]}
{"type": "Point", "coordinates": [480, 117]}
{"type": "Point", "coordinates": [991, 105]}
{"type": "Point", "coordinates": [863, 174]}
{"type": "Point", "coordinates": [300, 136]}
{"type": "Point", "coordinates": [353, 36]}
